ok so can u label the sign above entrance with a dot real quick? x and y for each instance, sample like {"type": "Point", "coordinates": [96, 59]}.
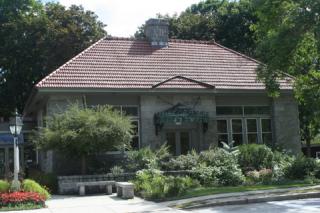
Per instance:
{"type": "Point", "coordinates": [178, 115]}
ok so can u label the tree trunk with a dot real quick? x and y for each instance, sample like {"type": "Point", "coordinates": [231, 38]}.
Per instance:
{"type": "Point", "coordinates": [83, 165]}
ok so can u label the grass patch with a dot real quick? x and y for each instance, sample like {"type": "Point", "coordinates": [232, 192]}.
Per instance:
{"type": "Point", "coordinates": [26, 206]}
{"type": "Point", "coordinates": [203, 191]}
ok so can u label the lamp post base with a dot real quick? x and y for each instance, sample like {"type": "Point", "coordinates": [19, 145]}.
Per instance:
{"type": "Point", "coordinates": [15, 185]}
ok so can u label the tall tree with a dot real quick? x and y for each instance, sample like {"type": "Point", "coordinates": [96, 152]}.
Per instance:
{"type": "Point", "coordinates": [288, 37]}
{"type": "Point", "coordinates": [227, 22]}
{"type": "Point", "coordinates": [36, 39]}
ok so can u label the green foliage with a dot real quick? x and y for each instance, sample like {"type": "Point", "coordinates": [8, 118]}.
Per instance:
{"type": "Point", "coordinates": [146, 158]}
{"type": "Point", "coordinates": [47, 180]}
{"type": "Point", "coordinates": [117, 170]}
{"type": "Point", "coordinates": [280, 164]}
{"type": "Point", "coordinates": [227, 22]}
{"type": "Point", "coordinates": [254, 157]}
{"type": "Point", "coordinates": [82, 132]}
{"type": "Point", "coordinates": [263, 176]}
{"type": "Point", "coordinates": [152, 184]}
{"type": "Point", "coordinates": [35, 40]}
{"type": "Point", "coordinates": [219, 166]}
{"type": "Point", "coordinates": [288, 40]}
{"type": "Point", "coordinates": [183, 162]}
{"type": "Point", "coordinates": [301, 168]}
{"type": "Point", "coordinates": [4, 186]}
{"type": "Point", "coordinates": [29, 185]}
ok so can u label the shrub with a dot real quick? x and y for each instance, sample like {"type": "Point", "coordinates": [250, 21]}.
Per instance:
{"type": "Point", "coordinates": [183, 162]}
{"type": "Point", "coordinates": [32, 186]}
{"type": "Point", "coordinates": [206, 175]}
{"type": "Point", "coordinates": [117, 170]}
{"type": "Point", "coordinates": [20, 198]}
{"type": "Point", "coordinates": [146, 158]}
{"type": "Point", "coordinates": [4, 186]}
{"type": "Point", "coordinates": [222, 167]}
{"type": "Point", "coordinates": [255, 157]}
{"type": "Point", "coordinates": [48, 180]}
{"type": "Point", "coordinates": [152, 184]}
{"type": "Point", "coordinates": [301, 168]}
{"type": "Point", "coordinates": [281, 163]}
{"type": "Point", "coordinates": [262, 176]}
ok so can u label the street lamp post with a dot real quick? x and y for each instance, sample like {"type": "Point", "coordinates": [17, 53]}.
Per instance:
{"type": "Point", "coordinates": [15, 129]}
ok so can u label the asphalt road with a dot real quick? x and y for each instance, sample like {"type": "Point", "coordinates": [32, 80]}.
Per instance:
{"type": "Point", "coordinates": [292, 206]}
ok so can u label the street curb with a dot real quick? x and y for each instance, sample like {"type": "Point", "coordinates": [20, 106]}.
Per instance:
{"type": "Point", "coordinates": [248, 200]}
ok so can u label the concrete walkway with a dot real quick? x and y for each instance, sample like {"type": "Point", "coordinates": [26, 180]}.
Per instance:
{"type": "Point", "coordinates": [100, 204]}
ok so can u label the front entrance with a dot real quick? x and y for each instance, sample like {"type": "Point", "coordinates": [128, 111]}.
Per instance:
{"type": "Point", "coordinates": [179, 142]}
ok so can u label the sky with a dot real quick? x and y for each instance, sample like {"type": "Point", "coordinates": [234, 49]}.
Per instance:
{"type": "Point", "coordinates": [123, 17]}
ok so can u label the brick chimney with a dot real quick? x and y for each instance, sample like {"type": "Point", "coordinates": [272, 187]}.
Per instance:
{"type": "Point", "coordinates": [157, 31]}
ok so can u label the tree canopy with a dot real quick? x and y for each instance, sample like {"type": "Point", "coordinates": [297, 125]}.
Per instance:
{"type": "Point", "coordinates": [227, 22]}
{"type": "Point", "coordinates": [80, 132]}
{"type": "Point", "coordinates": [35, 40]}
{"type": "Point", "coordinates": [288, 40]}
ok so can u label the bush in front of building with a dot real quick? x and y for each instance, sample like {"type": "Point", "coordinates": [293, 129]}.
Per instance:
{"type": "Point", "coordinates": [152, 184]}
{"type": "Point", "coordinates": [4, 186]}
{"type": "Point", "coordinates": [183, 162]}
{"type": "Point", "coordinates": [254, 157]}
{"type": "Point", "coordinates": [223, 166]}
{"type": "Point", "coordinates": [32, 186]}
{"type": "Point", "coordinates": [302, 167]}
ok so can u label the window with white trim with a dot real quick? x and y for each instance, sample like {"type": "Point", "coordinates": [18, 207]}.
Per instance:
{"type": "Point", "coordinates": [266, 131]}
{"type": "Point", "coordinates": [252, 130]}
{"type": "Point", "coordinates": [222, 126]}
{"type": "Point", "coordinates": [237, 132]}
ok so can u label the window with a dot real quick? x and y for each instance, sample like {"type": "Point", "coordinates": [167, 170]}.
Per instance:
{"type": "Point", "coordinates": [318, 155]}
{"type": "Point", "coordinates": [229, 110]}
{"type": "Point", "coordinates": [266, 131]}
{"type": "Point", "coordinates": [256, 110]}
{"type": "Point", "coordinates": [252, 131]}
{"type": "Point", "coordinates": [135, 135]}
{"type": "Point", "coordinates": [237, 132]}
{"type": "Point", "coordinates": [222, 126]}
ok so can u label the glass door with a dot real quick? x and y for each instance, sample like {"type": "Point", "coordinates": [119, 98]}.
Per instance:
{"type": "Point", "coordinates": [179, 142]}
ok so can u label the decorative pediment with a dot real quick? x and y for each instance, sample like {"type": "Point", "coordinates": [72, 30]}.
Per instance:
{"type": "Point", "coordinates": [179, 81]}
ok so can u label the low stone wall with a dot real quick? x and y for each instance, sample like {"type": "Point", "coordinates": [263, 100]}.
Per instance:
{"type": "Point", "coordinates": [67, 184]}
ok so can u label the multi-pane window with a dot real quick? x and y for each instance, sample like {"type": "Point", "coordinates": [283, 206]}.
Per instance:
{"type": "Point", "coordinates": [222, 126]}
{"type": "Point", "coordinates": [133, 113]}
{"type": "Point", "coordinates": [243, 110]}
{"type": "Point", "coordinates": [237, 132]}
{"type": "Point", "coordinates": [266, 131]}
{"type": "Point", "coordinates": [252, 131]}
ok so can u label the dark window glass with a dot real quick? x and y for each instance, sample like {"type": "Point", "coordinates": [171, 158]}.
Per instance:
{"type": "Point", "coordinates": [256, 110]}
{"type": "Point", "coordinates": [135, 128]}
{"type": "Point", "coordinates": [171, 142]}
{"type": "Point", "coordinates": [237, 138]}
{"type": "Point", "coordinates": [135, 143]}
{"type": "Point", "coordinates": [252, 138]}
{"type": "Point", "coordinates": [185, 142]}
{"type": "Point", "coordinates": [236, 125]}
{"type": "Point", "coordinates": [222, 138]}
{"type": "Point", "coordinates": [266, 125]}
{"type": "Point", "coordinates": [252, 125]}
{"type": "Point", "coordinates": [267, 139]}
{"type": "Point", "coordinates": [229, 110]}
{"type": "Point", "coordinates": [222, 126]}
{"type": "Point", "coordinates": [117, 108]}
{"type": "Point", "coordinates": [130, 110]}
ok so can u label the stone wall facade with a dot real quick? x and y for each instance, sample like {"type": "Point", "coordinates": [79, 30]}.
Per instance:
{"type": "Point", "coordinates": [285, 118]}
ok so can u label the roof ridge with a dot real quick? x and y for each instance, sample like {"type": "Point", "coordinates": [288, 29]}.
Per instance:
{"type": "Point", "coordinates": [69, 61]}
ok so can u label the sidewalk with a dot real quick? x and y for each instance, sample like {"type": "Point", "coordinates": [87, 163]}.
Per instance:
{"type": "Point", "coordinates": [246, 197]}
{"type": "Point", "coordinates": [100, 204]}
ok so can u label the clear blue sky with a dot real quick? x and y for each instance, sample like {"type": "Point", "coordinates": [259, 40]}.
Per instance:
{"type": "Point", "coordinates": [124, 16]}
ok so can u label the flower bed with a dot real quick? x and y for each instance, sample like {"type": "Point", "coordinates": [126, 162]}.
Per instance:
{"type": "Point", "coordinates": [16, 199]}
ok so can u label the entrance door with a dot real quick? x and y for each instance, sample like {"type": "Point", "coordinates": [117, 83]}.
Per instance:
{"type": "Point", "coordinates": [179, 142]}
{"type": "Point", "coordinates": [2, 162]}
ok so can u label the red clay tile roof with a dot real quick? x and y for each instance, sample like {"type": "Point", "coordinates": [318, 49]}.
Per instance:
{"type": "Point", "coordinates": [128, 63]}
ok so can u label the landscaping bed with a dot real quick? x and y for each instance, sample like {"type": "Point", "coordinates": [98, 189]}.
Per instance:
{"type": "Point", "coordinates": [30, 196]}
{"type": "Point", "coordinates": [217, 170]}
